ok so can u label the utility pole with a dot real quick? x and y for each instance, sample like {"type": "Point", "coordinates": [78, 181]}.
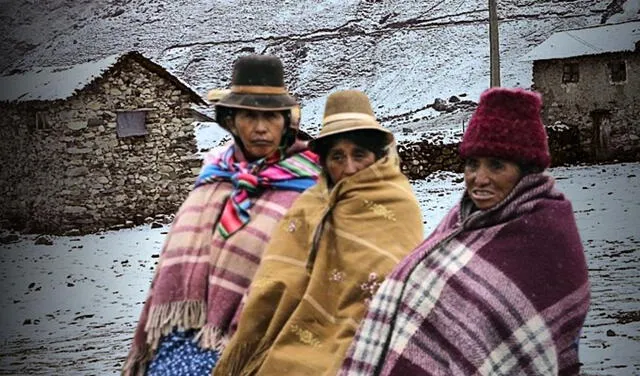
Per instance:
{"type": "Point", "coordinates": [494, 44]}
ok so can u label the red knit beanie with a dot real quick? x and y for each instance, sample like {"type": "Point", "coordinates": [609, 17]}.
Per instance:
{"type": "Point", "coordinates": [507, 125]}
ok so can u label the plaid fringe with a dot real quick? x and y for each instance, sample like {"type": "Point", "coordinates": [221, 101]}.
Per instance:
{"type": "Point", "coordinates": [165, 317]}
{"type": "Point", "coordinates": [212, 337]}
{"type": "Point", "coordinates": [136, 363]}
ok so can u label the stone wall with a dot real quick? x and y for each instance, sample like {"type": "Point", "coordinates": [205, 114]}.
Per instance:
{"type": "Point", "coordinates": [580, 104]}
{"type": "Point", "coordinates": [75, 173]}
{"type": "Point", "coordinates": [421, 158]}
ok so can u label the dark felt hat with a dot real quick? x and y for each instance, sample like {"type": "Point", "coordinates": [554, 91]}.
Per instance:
{"type": "Point", "coordinates": [257, 84]}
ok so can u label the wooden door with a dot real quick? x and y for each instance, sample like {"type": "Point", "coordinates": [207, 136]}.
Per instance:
{"type": "Point", "coordinates": [601, 133]}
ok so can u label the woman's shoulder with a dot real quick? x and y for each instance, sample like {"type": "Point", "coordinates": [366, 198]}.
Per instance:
{"type": "Point", "coordinates": [552, 214]}
{"type": "Point", "coordinates": [310, 200]}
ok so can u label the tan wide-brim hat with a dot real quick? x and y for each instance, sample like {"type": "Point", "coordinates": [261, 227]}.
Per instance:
{"type": "Point", "coordinates": [346, 111]}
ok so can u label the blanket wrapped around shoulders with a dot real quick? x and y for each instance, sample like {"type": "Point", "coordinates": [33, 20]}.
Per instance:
{"type": "Point", "coordinates": [204, 270]}
{"type": "Point", "coordinates": [498, 292]}
{"type": "Point", "coordinates": [324, 263]}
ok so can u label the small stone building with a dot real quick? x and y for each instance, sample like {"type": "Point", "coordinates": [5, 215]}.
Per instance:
{"type": "Point", "coordinates": [95, 145]}
{"type": "Point", "coordinates": [590, 81]}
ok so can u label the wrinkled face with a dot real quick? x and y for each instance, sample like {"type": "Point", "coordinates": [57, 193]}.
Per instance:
{"type": "Point", "coordinates": [489, 180]}
{"type": "Point", "coordinates": [345, 158]}
{"type": "Point", "coordinates": [259, 131]}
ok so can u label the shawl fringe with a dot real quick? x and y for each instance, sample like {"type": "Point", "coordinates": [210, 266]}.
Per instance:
{"type": "Point", "coordinates": [212, 337]}
{"type": "Point", "coordinates": [136, 363]}
{"type": "Point", "coordinates": [244, 359]}
{"type": "Point", "coordinates": [164, 318]}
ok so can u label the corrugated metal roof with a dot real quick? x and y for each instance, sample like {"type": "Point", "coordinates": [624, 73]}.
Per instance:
{"type": "Point", "coordinates": [53, 83]}
{"type": "Point", "coordinates": [593, 40]}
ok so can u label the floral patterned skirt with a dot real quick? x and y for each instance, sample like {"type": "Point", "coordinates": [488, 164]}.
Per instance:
{"type": "Point", "coordinates": [178, 354]}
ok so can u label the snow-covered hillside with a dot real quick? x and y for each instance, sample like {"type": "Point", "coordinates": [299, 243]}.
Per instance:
{"type": "Point", "coordinates": [404, 54]}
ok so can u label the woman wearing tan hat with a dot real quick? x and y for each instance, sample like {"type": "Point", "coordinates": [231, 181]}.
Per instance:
{"type": "Point", "coordinates": [329, 253]}
{"type": "Point", "coordinates": [219, 234]}
{"type": "Point", "coordinates": [500, 287]}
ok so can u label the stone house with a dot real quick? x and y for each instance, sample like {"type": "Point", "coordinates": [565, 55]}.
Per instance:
{"type": "Point", "coordinates": [590, 82]}
{"type": "Point", "coordinates": [96, 145]}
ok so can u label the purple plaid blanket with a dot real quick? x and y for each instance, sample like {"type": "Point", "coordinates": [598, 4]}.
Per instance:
{"type": "Point", "coordinates": [497, 292]}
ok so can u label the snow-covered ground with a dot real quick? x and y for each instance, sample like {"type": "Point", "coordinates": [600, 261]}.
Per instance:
{"type": "Point", "coordinates": [70, 308]}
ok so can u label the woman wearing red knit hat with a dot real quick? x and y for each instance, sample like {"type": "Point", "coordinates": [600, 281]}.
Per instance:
{"type": "Point", "coordinates": [500, 287]}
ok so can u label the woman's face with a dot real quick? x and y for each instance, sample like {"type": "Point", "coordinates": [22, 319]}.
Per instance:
{"type": "Point", "coordinates": [259, 131]}
{"type": "Point", "coordinates": [489, 180]}
{"type": "Point", "coordinates": [345, 158]}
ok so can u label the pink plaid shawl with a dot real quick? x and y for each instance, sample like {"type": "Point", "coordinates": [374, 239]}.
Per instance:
{"type": "Point", "coordinates": [496, 292]}
{"type": "Point", "coordinates": [201, 276]}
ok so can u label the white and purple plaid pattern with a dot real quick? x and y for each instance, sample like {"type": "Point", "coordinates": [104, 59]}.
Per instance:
{"type": "Point", "coordinates": [452, 309]}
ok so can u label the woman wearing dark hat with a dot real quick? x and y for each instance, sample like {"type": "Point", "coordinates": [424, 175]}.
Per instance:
{"type": "Point", "coordinates": [219, 234]}
{"type": "Point", "coordinates": [500, 287]}
{"type": "Point", "coordinates": [329, 253]}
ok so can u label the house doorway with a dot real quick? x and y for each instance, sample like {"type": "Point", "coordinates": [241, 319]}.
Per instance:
{"type": "Point", "coordinates": [600, 135]}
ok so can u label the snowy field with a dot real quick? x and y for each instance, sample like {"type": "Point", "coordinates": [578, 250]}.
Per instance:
{"type": "Point", "coordinates": [70, 308]}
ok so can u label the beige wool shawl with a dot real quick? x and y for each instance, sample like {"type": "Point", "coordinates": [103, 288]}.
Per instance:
{"type": "Point", "coordinates": [326, 259]}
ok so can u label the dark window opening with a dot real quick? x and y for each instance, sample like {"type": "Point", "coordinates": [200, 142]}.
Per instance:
{"type": "Point", "coordinates": [131, 123]}
{"type": "Point", "coordinates": [618, 71]}
{"type": "Point", "coordinates": [570, 73]}
{"type": "Point", "coordinates": [41, 120]}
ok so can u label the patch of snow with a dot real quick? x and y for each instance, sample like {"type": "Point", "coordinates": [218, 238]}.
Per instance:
{"type": "Point", "coordinates": [209, 135]}
{"type": "Point", "coordinates": [558, 126]}
{"type": "Point", "coordinates": [51, 83]}
{"type": "Point", "coordinates": [445, 128]}
{"type": "Point", "coordinates": [630, 11]}
{"type": "Point", "coordinates": [588, 41]}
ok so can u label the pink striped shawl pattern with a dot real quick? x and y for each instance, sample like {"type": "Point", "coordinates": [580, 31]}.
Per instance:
{"type": "Point", "coordinates": [295, 172]}
{"type": "Point", "coordinates": [201, 276]}
{"type": "Point", "coordinates": [497, 292]}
